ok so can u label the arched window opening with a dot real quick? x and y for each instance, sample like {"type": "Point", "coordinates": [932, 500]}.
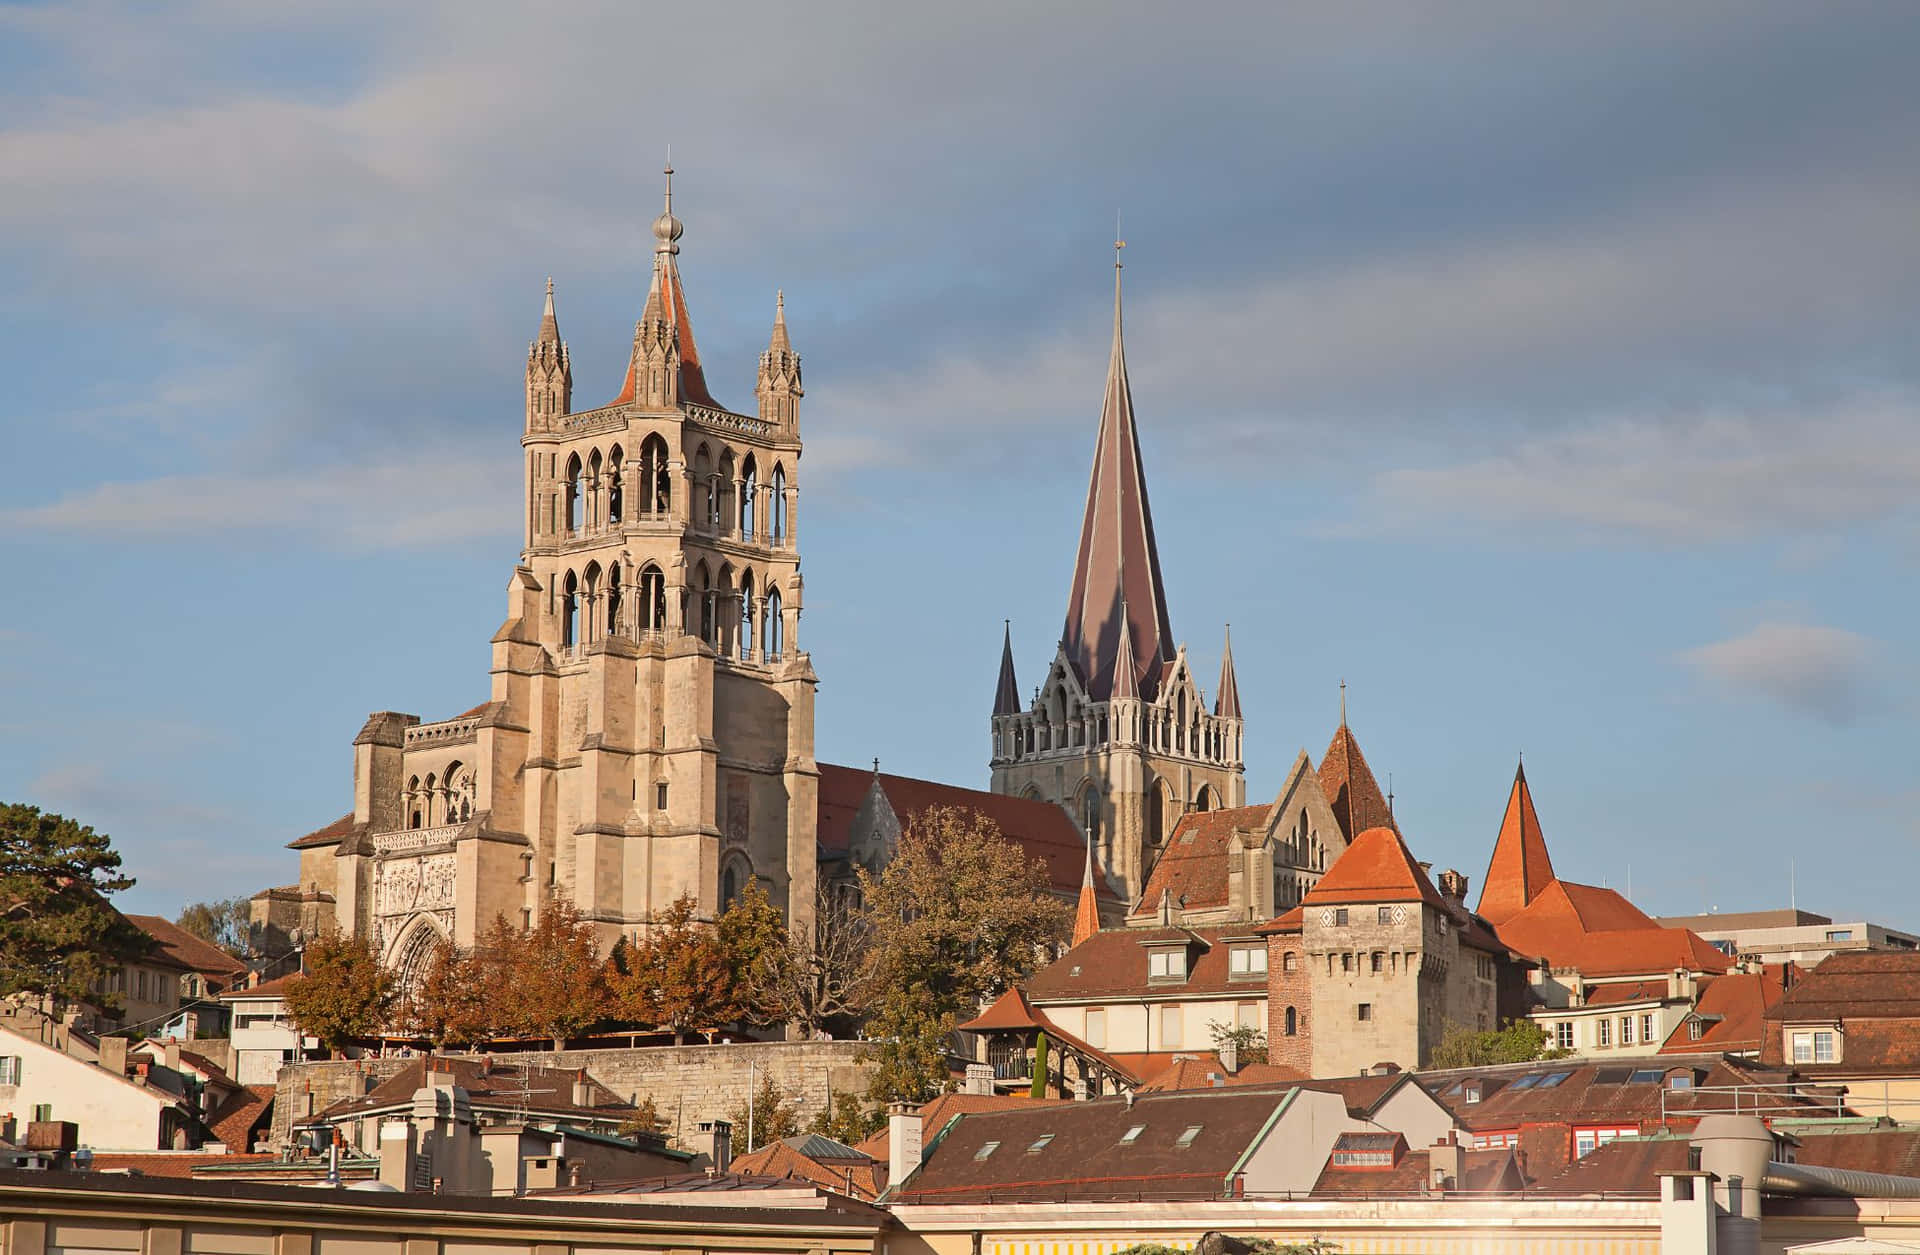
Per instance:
{"type": "Point", "coordinates": [1156, 815]}
{"type": "Point", "coordinates": [779, 503]}
{"type": "Point", "coordinates": [432, 802]}
{"type": "Point", "coordinates": [747, 638]}
{"type": "Point", "coordinates": [749, 497]}
{"type": "Point", "coordinates": [1205, 801]}
{"type": "Point", "coordinates": [616, 491]}
{"type": "Point", "coordinates": [573, 492]}
{"type": "Point", "coordinates": [589, 593]}
{"type": "Point", "coordinates": [595, 491]}
{"type": "Point", "coordinates": [723, 490]}
{"type": "Point", "coordinates": [613, 601]}
{"type": "Point", "coordinates": [569, 609]}
{"type": "Point", "coordinates": [703, 593]}
{"type": "Point", "coordinates": [773, 630]}
{"type": "Point", "coordinates": [725, 618]}
{"type": "Point", "coordinates": [703, 483]}
{"type": "Point", "coordinates": [656, 485]}
{"type": "Point", "coordinates": [653, 599]}
{"type": "Point", "coordinates": [1292, 1022]}
{"type": "Point", "coordinates": [734, 879]}
{"type": "Point", "coordinates": [413, 801]}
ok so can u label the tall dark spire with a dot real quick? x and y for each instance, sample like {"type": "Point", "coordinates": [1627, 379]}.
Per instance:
{"type": "Point", "coordinates": [1226, 702]}
{"type": "Point", "coordinates": [1006, 695]}
{"type": "Point", "coordinates": [1117, 571]}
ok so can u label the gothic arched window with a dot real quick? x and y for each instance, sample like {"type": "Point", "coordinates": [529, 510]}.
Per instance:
{"type": "Point", "coordinates": [653, 599]}
{"type": "Point", "coordinates": [656, 481]}
{"type": "Point", "coordinates": [779, 528]}
{"type": "Point", "coordinates": [573, 492]}
{"type": "Point", "coordinates": [613, 601]}
{"type": "Point", "coordinates": [616, 497]}
{"type": "Point", "coordinates": [773, 631]}
{"type": "Point", "coordinates": [749, 497]}
{"type": "Point", "coordinates": [569, 608]}
{"type": "Point", "coordinates": [747, 637]}
{"type": "Point", "coordinates": [1292, 1022]}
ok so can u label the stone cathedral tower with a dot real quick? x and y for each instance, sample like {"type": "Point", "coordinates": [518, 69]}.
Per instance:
{"type": "Point", "coordinates": [649, 732]}
{"type": "Point", "coordinates": [1118, 732]}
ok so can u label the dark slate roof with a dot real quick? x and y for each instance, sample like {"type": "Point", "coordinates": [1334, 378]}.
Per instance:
{"type": "Point", "coordinates": [1116, 573]}
{"type": "Point", "coordinates": [543, 1091]}
{"type": "Point", "coordinates": [1085, 1159]}
{"type": "Point", "coordinates": [1590, 1092]}
{"type": "Point", "coordinates": [1006, 693]}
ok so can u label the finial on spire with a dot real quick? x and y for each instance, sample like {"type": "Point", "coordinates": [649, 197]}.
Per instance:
{"type": "Point", "coordinates": [1343, 702]}
{"type": "Point", "coordinates": [668, 229]}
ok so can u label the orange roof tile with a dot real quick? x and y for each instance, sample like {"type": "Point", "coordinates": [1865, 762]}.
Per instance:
{"type": "Point", "coordinates": [1377, 867]}
{"type": "Point", "coordinates": [1207, 1072]}
{"type": "Point", "coordinates": [333, 834]}
{"type": "Point", "coordinates": [1603, 934]}
{"type": "Point", "coordinates": [693, 380]}
{"type": "Point", "coordinates": [1520, 870]}
{"type": "Point", "coordinates": [1731, 1010]}
{"type": "Point", "coordinates": [1350, 787]}
{"type": "Point", "coordinates": [189, 951]}
{"type": "Point", "coordinates": [1193, 867]}
{"type": "Point", "coordinates": [934, 1115]}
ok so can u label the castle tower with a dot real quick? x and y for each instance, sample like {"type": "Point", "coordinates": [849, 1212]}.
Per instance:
{"type": "Point", "coordinates": [649, 732]}
{"type": "Point", "coordinates": [1119, 733]}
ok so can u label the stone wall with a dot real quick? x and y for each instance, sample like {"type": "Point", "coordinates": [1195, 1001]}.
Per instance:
{"type": "Point", "coordinates": [688, 1084]}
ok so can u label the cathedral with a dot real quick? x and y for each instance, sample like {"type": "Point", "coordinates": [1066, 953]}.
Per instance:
{"type": "Point", "coordinates": [1119, 733]}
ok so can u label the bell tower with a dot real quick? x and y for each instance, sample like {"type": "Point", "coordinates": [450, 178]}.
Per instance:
{"type": "Point", "coordinates": [1118, 733]}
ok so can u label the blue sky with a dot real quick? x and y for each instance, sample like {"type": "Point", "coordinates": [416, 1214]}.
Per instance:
{"type": "Point", "coordinates": [1548, 373]}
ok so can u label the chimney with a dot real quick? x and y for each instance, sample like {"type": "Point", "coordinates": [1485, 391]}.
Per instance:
{"type": "Point", "coordinates": [1443, 1164]}
{"type": "Point", "coordinates": [170, 1053]}
{"type": "Point", "coordinates": [1681, 984]}
{"type": "Point", "coordinates": [1453, 886]}
{"type": "Point", "coordinates": [113, 1055]}
{"type": "Point", "coordinates": [903, 1140]}
{"type": "Point", "coordinates": [1230, 1056]}
{"type": "Point", "coordinates": [397, 1154]}
{"type": "Point", "coordinates": [719, 1145]}
{"type": "Point", "coordinates": [583, 1092]}
{"type": "Point", "coordinates": [979, 1079]}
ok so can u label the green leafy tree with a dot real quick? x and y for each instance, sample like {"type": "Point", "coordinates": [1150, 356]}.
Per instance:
{"type": "Point", "coordinates": [344, 995]}
{"type": "Point", "coordinates": [1249, 1043]}
{"type": "Point", "coordinates": [1519, 1041]}
{"type": "Point", "coordinates": [59, 938]}
{"type": "Point", "coordinates": [771, 1116]}
{"type": "Point", "coordinates": [849, 1121]}
{"type": "Point", "coordinates": [959, 915]}
{"type": "Point", "coordinates": [224, 922]}
{"type": "Point", "coordinates": [753, 938]}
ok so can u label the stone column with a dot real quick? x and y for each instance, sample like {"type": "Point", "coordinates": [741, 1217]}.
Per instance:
{"type": "Point", "coordinates": [682, 489]}
{"type": "Point", "coordinates": [793, 517]}
{"type": "Point", "coordinates": [736, 502]}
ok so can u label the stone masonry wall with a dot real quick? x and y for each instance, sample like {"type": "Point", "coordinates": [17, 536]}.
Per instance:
{"type": "Point", "coordinates": [688, 1084]}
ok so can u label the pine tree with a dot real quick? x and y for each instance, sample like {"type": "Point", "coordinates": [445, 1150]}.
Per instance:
{"type": "Point", "coordinates": [58, 935]}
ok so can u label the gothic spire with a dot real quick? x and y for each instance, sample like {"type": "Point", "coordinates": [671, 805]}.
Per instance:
{"type": "Point", "coordinates": [672, 304]}
{"type": "Point", "coordinates": [1117, 591]}
{"type": "Point", "coordinates": [1226, 702]}
{"type": "Point", "coordinates": [549, 370]}
{"type": "Point", "coordinates": [777, 387]}
{"type": "Point", "coordinates": [1086, 915]}
{"type": "Point", "coordinates": [780, 343]}
{"type": "Point", "coordinates": [1006, 695]}
{"type": "Point", "coordinates": [1520, 870]}
{"type": "Point", "coordinates": [549, 324]}
{"type": "Point", "coordinates": [1121, 680]}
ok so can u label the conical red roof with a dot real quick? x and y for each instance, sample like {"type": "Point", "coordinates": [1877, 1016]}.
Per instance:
{"type": "Point", "coordinates": [1351, 790]}
{"type": "Point", "coordinates": [1520, 870]}
{"type": "Point", "coordinates": [1377, 867]}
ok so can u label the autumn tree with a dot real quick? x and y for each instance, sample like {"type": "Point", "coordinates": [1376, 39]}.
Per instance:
{"type": "Point", "coordinates": [457, 1002]}
{"type": "Point", "coordinates": [58, 936]}
{"type": "Point", "coordinates": [753, 937]}
{"type": "Point", "coordinates": [677, 977]}
{"type": "Point", "coordinates": [223, 922]}
{"type": "Point", "coordinates": [344, 995]}
{"type": "Point", "coordinates": [958, 916]}
{"type": "Point", "coordinates": [815, 978]}
{"type": "Point", "coordinates": [554, 980]}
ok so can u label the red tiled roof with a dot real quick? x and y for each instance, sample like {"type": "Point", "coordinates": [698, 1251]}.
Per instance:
{"type": "Point", "coordinates": [1115, 963]}
{"type": "Point", "coordinates": [1362, 1093]}
{"type": "Point", "coordinates": [1188, 1072]}
{"type": "Point", "coordinates": [1731, 1007]}
{"type": "Point", "coordinates": [1520, 870]}
{"type": "Point", "coordinates": [1009, 1011]}
{"type": "Point", "coordinates": [1193, 867]}
{"type": "Point", "coordinates": [1045, 831]}
{"type": "Point", "coordinates": [536, 1089]}
{"type": "Point", "coordinates": [1625, 992]}
{"type": "Point", "coordinates": [693, 380]}
{"type": "Point", "coordinates": [1629, 1166]}
{"type": "Point", "coordinates": [1485, 1171]}
{"type": "Point", "coordinates": [178, 1165]}
{"type": "Point", "coordinates": [1601, 933]}
{"type": "Point", "coordinates": [1602, 1092]}
{"type": "Point", "coordinates": [1377, 867]}
{"type": "Point", "coordinates": [1865, 984]}
{"type": "Point", "coordinates": [1285, 922]}
{"type": "Point", "coordinates": [863, 1178]}
{"type": "Point", "coordinates": [188, 950]}
{"type": "Point", "coordinates": [1351, 790]}
{"type": "Point", "coordinates": [276, 988]}
{"type": "Point", "coordinates": [234, 1120]}
{"type": "Point", "coordinates": [333, 834]}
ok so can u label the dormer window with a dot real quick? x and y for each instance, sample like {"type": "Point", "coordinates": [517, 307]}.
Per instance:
{"type": "Point", "coordinates": [1821, 1045]}
{"type": "Point", "coordinates": [1247, 962]}
{"type": "Point", "coordinates": [1167, 965]}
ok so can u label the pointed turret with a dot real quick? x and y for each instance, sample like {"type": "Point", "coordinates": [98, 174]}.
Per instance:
{"type": "Point", "coordinates": [1006, 695]}
{"type": "Point", "coordinates": [1116, 575]}
{"type": "Point", "coordinates": [549, 371]}
{"type": "Point", "coordinates": [1086, 915]}
{"type": "Point", "coordinates": [1349, 785]}
{"type": "Point", "coordinates": [1520, 870]}
{"type": "Point", "coordinates": [778, 386]}
{"type": "Point", "coordinates": [655, 378]}
{"type": "Point", "coordinates": [1226, 702]}
{"type": "Point", "coordinates": [1120, 668]}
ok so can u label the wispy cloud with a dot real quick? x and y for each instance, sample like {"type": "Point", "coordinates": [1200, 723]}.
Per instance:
{"type": "Point", "coordinates": [1685, 479]}
{"type": "Point", "coordinates": [1825, 672]}
{"type": "Point", "coordinates": [419, 500]}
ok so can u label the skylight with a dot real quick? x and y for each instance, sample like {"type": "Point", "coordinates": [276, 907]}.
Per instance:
{"type": "Point", "coordinates": [1186, 1139]}
{"type": "Point", "coordinates": [1527, 1082]}
{"type": "Point", "coordinates": [1552, 1079]}
{"type": "Point", "coordinates": [1132, 1135]}
{"type": "Point", "coordinates": [1039, 1143]}
{"type": "Point", "coordinates": [1646, 1076]}
{"type": "Point", "coordinates": [986, 1148]}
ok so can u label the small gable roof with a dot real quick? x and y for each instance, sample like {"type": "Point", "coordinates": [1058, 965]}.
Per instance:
{"type": "Point", "coordinates": [187, 950]}
{"type": "Point", "coordinates": [1193, 867]}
